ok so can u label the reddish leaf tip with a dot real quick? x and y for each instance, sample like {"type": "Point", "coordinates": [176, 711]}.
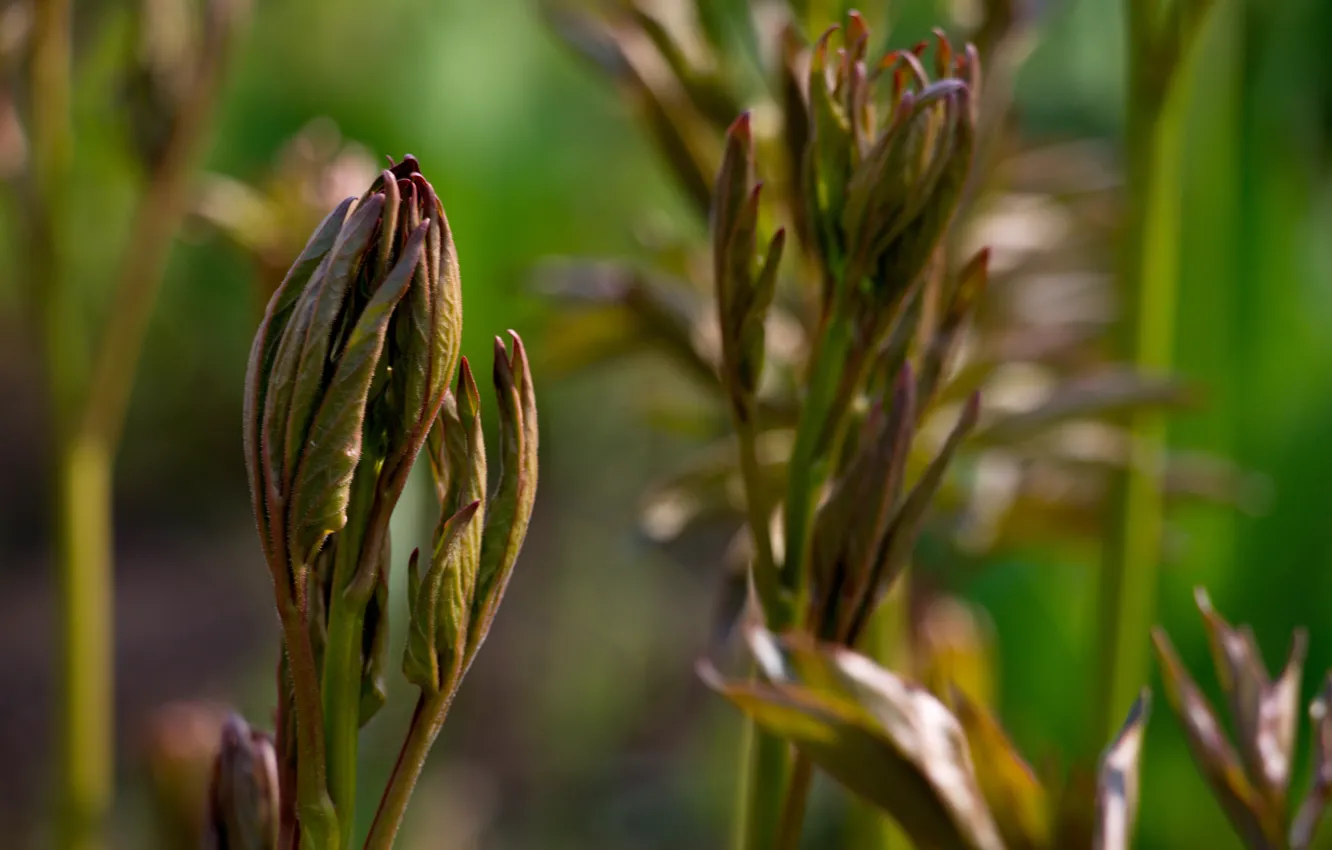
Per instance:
{"type": "Point", "coordinates": [740, 128]}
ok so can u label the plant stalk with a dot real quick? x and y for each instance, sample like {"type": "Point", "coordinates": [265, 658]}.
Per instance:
{"type": "Point", "coordinates": [1149, 286]}
{"type": "Point", "coordinates": [342, 702]}
{"type": "Point", "coordinates": [766, 578]}
{"type": "Point", "coordinates": [318, 827]}
{"type": "Point", "coordinates": [765, 765]}
{"type": "Point", "coordinates": [792, 821]}
{"type": "Point", "coordinates": [88, 415]}
{"type": "Point", "coordinates": [343, 662]}
{"type": "Point", "coordinates": [83, 565]}
{"type": "Point", "coordinates": [426, 722]}
{"type": "Point", "coordinates": [767, 761]}
{"type": "Point", "coordinates": [81, 465]}
{"type": "Point", "coordinates": [808, 467]}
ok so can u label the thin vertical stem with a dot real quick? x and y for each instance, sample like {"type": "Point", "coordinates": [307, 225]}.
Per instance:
{"type": "Point", "coordinates": [765, 765]}
{"type": "Point", "coordinates": [81, 465]}
{"type": "Point", "coordinates": [87, 414]}
{"type": "Point", "coordinates": [1149, 284]}
{"type": "Point", "coordinates": [426, 723]}
{"type": "Point", "coordinates": [807, 470]}
{"type": "Point", "coordinates": [83, 566]}
{"type": "Point", "coordinates": [792, 822]}
{"type": "Point", "coordinates": [314, 808]}
{"type": "Point", "coordinates": [766, 578]}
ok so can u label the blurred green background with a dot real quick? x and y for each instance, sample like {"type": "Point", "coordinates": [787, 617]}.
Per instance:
{"type": "Point", "coordinates": [583, 724]}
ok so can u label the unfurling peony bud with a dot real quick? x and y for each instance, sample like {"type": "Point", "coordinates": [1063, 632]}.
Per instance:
{"type": "Point", "coordinates": [350, 365]}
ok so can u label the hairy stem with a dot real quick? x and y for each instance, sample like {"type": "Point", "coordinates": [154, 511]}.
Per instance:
{"type": "Point", "coordinates": [426, 723]}
{"type": "Point", "coordinates": [314, 809]}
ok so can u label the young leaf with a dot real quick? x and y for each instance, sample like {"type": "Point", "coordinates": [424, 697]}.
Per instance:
{"type": "Point", "coordinates": [1117, 784]}
{"type": "Point", "coordinates": [1020, 805]}
{"type": "Point", "coordinates": [887, 740]}
{"type": "Point", "coordinates": [510, 508]}
{"type": "Point", "coordinates": [264, 350]}
{"type": "Point", "coordinates": [421, 663]}
{"type": "Point", "coordinates": [1266, 713]}
{"type": "Point", "coordinates": [1212, 753]}
{"type": "Point", "coordinates": [1310, 815]}
{"type": "Point", "coordinates": [332, 450]}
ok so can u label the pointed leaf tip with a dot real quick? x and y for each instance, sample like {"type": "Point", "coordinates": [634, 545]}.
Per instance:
{"type": "Point", "coordinates": [740, 128]}
{"type": "Point", "coordinates": [1117, 786]}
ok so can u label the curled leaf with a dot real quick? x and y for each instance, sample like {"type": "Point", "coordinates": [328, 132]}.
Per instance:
{"type": "Point", "coordinates": [510, 507]}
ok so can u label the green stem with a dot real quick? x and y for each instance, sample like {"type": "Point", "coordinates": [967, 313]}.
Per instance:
{"type": "Point", "coordinates": [808, 470]}
{"type": "Point", "coordinates": [766, 578]}
{"type": "Point", "coordinates": [767, 760]}
{"type": "Point", "coordinates": [792, 821]}
{"type": "Point", "coordinates": [1150, 275]}
{"type": "Point", "coordinates": [342, 706]}
{"type": "Point", "coordinates": [426, 723]}
{"type": "Point", "coordinates": [84, 544]}
{"type": "Point", "coordinates": [88, 415]}
{"type": "Point", "coordinates": [82, 464]}
{"type": "Point", "coordinates": [356, 566]}
{"type": "Point", "coordinates": [318, 827]}
{"type": "Point", "coordinates": [765, 764]}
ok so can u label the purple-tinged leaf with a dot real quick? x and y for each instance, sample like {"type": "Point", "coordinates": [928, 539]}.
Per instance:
{"type": "Point", "coordinates": [1212, 753]}
{"type": "Point", "coordinates": [1265, 713]}
{"type": "Point", "coordinates": [1310, 814]}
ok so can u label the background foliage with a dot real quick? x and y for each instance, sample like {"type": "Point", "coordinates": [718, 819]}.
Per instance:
{"type": "Point", "coordinates": [584, 725]}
